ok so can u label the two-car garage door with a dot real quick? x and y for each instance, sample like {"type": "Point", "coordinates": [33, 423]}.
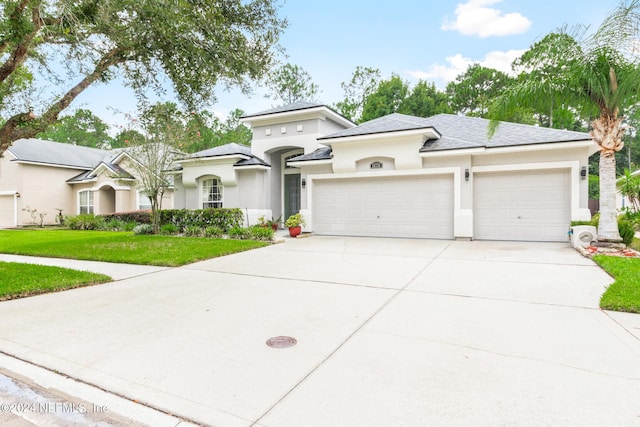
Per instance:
{"type": "Point", "coordinates": [391, 206]}
{"type": "Point", "coordinates": [529, 205]}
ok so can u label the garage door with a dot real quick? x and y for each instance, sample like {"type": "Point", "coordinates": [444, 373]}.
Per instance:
{"type": "Point", "coordinates": [530, 206]}
{"type": "Point", "coordinates": [410, 206]}
{"type": "Point", "coordinates": [7, 211]}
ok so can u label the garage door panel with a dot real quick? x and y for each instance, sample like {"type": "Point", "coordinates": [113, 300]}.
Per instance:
{"type": "Point", "coordinates": [532, 206]}
{"type": "Point", "coordinates": [385, 206]}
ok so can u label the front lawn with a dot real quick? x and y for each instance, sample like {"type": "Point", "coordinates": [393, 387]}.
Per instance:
{"type": "Point", "coordinates": [121, 247]}
{"type": "Point", "coordinates": [624, 293]}
{"type": "Point", "coordinates": [20, 280]}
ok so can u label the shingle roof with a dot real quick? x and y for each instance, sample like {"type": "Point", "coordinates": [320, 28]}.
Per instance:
{"type": "Point", "coordinates": [323, 153]}
{"type": "Point", "coordinates": [300, 105]}
{"type": "Point", "coordinates": [56, 153]}
{"type": "Point", "coordinates": [230, 150]}
{"type": "Point", "coordinates": [222, 150]}
{"type": "Point", "coordinates": [391, 123]}
{"type": "Point", "coordinates": [462, 132]}
{"type": "Point", "coordinates": [469, 132]}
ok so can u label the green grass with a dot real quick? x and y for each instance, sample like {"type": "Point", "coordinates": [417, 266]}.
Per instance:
{"type": "Point", "coordinates": [120, 247]}
{"type": "Point", "coordinates": [624, 293]}
{"type": "Point", "coordinates": [19, 280]}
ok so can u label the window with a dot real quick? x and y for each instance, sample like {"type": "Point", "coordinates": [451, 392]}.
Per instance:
{"type": "Point", "coordinates": [211, 193]}
{"type": "Point", "coordinates": [85, 202]}
{"type": "Point", "coordinates": [144, 203]}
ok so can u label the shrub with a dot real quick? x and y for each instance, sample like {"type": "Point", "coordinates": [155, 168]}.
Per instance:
{"type": "Point", "coordinates": [213, 232]}
{"type": "Point", "coordinates": [239, 233]}
{"type": "Point", "coordinates": [625, 228]}
{"type": "Point", "coordinates": [129, 226]}
{"type": "Point", "coordinates": [261, 233]}
{"type": "Point", "coordinates": [143, 229]}
{"type": "Point", "coordinates": [85, 222]}
{"type": "Point", "coordinates": [222, 218]}
{"type": "Point", "coordinates": [140, 217]}
{"type": "Point", "coordinates": [114, 225]}
{"type": "Point", "coordinates": [193, 231]}
{"type": "Point", "coordinates": [168, 229]}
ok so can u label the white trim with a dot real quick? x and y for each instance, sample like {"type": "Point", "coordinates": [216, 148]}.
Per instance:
{"type": "Point", "coordinates": [52, 165]}
{"type": "Point", "coordinates": [452, 152]}
{"type": "Point", "coordinates": [209, 158]}
{"type": "Point", "coordinates": [455, 171]}
{"type": "Point", "coordinates": [109, 184]}
{"type": "Point", "coordinates": [427, 133]}
{"type": "Point", "coordinates": [301, 163]}
{"type": "Point", "coordinates": [84, 181]}
{"type": "Point", "coordinates": [511, 149]}
{"type": "Point", "coordinates": [574, 176]}
{"type": "Point", "coordinates": [321, 111]}
{"type": "Point", "coordinates": [247, 167]}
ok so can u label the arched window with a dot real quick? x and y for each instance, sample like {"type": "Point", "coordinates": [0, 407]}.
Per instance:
{"type": "Point", "coordinates": [85, 202]}
{"type": "Point", "coordinates": [211, 193]}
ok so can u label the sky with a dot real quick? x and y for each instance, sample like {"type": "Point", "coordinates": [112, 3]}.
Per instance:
{"type": "Point", "coordinates": [432, 40]}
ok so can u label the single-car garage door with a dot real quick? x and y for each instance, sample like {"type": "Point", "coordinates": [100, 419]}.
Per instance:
{"type": "Point", "coordinates": [524, 205]}
{"type": "Point", "coordinates": [406, 206]}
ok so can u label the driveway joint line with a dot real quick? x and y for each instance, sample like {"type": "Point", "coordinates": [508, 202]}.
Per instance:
{"type": "Point", "coordinates": [348, 338]}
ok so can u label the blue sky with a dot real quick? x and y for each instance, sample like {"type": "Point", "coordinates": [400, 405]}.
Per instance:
{"type": "Point", "coordinates": [429, 40]}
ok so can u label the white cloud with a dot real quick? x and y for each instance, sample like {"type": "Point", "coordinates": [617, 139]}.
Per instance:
{"type": "Point", "coordinates": [475, 18]}
{"type": "Point", "coordinates": [458, 64]}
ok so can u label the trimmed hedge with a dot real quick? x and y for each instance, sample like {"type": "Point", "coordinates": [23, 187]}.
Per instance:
{"type": "Point", "coordinates": [222, 218]}
{"type": "Point", "coordinates": [141, 217]}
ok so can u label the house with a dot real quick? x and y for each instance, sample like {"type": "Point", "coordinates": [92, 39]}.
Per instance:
{"type": "Point", "coordinates": [440, 177]}
{"type": "Point", "coordinates": [51, 177]}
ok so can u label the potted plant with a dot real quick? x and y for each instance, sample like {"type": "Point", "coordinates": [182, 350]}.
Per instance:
{"type": "Point", "coordinates": [294, 223]}
{"type": "Point", "coordinates": [274, 223]}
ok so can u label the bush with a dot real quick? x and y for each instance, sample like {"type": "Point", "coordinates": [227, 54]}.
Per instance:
{"type": "Point", "coordinates": [261, 233]}
{"type": "Point", "coordinates": [129, 226]}
{"type": "Point", "coordinates": [143, 229]}
{"type": "Point", "coordinates": [169, 229]}
{"type": "Point", "coordinates": [85, 222]}
{"type": "Point", "coordinates": [239, 233]}
{"type": "Point", "coordinates": [625, 228]}
{"type": "Point", "coordinates": [193, 231]}
{"type": "Point", "coordinates": [223, 218]}
{"type": "Point", "coordinates": [114, 225]}
{"type": "Point", "coordinates": [213, 232]}
{"type": "Point", "coordinates": [139, 217]}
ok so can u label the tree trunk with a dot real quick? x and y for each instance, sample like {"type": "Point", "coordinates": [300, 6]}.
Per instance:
{"type": "Point", "coordinates": [608, 222]}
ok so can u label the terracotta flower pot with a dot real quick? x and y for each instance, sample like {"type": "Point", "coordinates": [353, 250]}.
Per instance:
{"type": "Point", "coordinates": [294, 231]}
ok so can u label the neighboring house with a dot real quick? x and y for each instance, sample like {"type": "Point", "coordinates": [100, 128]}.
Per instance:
{"type": "Point", "coordinates": [47, 176]}
{"type": "Point", "coordinates": [397, 176]}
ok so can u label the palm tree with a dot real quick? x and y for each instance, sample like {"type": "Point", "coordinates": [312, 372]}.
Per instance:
{"type": "Point", "coordinates": [599, 76]}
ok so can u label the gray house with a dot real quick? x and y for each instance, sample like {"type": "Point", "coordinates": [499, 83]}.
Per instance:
{"type": "Point", "coordinates": [397, 176]}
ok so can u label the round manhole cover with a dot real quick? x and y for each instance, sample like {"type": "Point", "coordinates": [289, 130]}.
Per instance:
{"type": "Point", "coordinates": [281, 342]}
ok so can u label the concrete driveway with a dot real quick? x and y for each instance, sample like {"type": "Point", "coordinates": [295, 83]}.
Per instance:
{"type": "Point", "coordinates": [389, 332]}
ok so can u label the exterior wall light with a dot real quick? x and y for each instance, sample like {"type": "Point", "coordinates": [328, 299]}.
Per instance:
{"type": "Point", "coordinates": [583, 172]}
{"type": "Point", "coordinates": [303, 183]}
{"type": "Point", "coordinates": [466, 174]}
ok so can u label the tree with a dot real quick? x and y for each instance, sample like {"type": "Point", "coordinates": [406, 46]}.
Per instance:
{"type": "Point", "coordinates": [195, 44]}
{"type": "Point", "coordinates": [154, 155]}
{"type": "Point", "coordinates": [601, 79]}
{"type": "Point", "coordinates": [291, 83]}
{"type": "Point", "coordinates": [629, 187]}
{"type": "Point", "coordinates": [363, 83]}
{"type": "Point", "coordinates": [425, 100]}
{"type": "Point", "coordinates": [386, 99]}
{"type": "Point", "coordinates": [83, 128]}
{"type": "Point", "coordinates": [473, 91]}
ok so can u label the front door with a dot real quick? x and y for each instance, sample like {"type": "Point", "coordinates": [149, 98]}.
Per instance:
{"type": "Point", "coordinates": [291, 194]}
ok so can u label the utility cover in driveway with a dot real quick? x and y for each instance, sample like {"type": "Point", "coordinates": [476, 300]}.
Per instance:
{"type": "Point", "coordinates": [401, 206]}
{"type": "Point", "coordinates": [523, 205]}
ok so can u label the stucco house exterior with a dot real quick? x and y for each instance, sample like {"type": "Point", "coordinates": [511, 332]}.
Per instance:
{"type": "Point", "coordinates": [48, 176]}
{"type": "Point", "coordinates": [397, 176]}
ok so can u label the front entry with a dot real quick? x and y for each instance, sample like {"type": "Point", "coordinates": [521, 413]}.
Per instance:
{"type": "Point", "coordinates": [291, 194]}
